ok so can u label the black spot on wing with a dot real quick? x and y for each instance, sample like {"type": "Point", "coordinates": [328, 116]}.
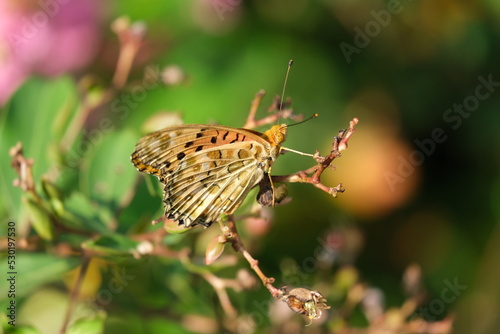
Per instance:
{"type": "Point", "coordinates": [181, 155]}
{"type": "Point", "coordinates": [236, 139]}
{"type": "Point", "coordinates": [213, 140]}
{"type": "Point", "coordinates": [188, 144]}
{"type": "Point", "coordinates": [199, 148]}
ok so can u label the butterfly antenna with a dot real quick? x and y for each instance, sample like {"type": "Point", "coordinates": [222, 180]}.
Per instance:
{"type": "Point", "coordinates": [307, 119]}
{"type": "Point", "coordinates": [290, 63]}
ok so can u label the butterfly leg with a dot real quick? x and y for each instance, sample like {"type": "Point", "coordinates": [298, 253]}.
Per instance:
{"type": "Point", "coordinates": [269, 194]}
{"type": "Point", "coordinates": [268, 174]}
{"type": "Point", "coordinates": [285, 149]}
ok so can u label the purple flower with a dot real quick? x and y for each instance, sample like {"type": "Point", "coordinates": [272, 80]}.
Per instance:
{"type": "Point", "coordinates": [46, 37]}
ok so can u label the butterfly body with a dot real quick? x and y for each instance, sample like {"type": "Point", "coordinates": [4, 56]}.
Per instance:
{"type": "Point", "coordinates": [207, 170]}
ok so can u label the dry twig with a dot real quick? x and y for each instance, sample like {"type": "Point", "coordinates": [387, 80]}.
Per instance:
{"type": "Point", "coordinates": [339, 144]}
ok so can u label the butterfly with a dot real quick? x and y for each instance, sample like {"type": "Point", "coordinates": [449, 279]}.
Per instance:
{"type": "Point", "coordinates": [207, 170]}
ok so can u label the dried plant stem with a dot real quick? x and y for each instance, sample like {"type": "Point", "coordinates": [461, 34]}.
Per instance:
{"type": "Point", "coordinates": [231, 234]}
{"type": "Point", "coordinates": [130, 37]}
{"type": "Point", "coordinates": [220, 286]}
{"type": "Point", "coordinates": [346, 134]}
{"type": "Point", "coordinates": [250, 123]}
{"type": "Point", "coordinates": [286, 113]}
{"type": "Point", "coordinates": [23, 168]}
{"type": "Point", "coordinates": [312, 175]}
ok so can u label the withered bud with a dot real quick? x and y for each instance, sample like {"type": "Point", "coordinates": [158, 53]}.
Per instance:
{"type": "Point", "coordinates": [270, 194]}
{"type": "Point", "coordinates": [304, 301]}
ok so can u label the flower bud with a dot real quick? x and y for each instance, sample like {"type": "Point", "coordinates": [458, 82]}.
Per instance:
{"type": "Point", "coordinates": [214, 249]}
{"type": "Point", "coordinates": [54, 195]}
{"type": "Point", "coordinates": [40, 219]}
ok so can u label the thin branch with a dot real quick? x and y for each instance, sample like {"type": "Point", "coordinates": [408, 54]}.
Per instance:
{"type": "Point", "coordinates": [124, 202]}
{"type": "Point", "coordinates": [23, 168]}
{"type": "Point", "coordinates": [231, 234]}
{"type": "Point", "coordinates": [277, 106]}
{"type": "Point", "coordinates": [312, 175]}
{"type": "Point", "coordinates": [130, 37]}
{"type": "Point", "coordinates": [250, 123]}
{"type": "Point", "coordinates": [220, 286]}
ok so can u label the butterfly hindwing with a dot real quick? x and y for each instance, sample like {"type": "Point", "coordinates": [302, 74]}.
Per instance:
{"type": "Point", "coordinates": [210, 187]}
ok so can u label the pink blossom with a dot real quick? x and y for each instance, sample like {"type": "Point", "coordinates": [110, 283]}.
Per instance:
{"type": "Point", "coordinates": [46, 37]}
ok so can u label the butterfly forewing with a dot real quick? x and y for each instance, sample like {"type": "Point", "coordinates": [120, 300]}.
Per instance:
{"type": "Point", "coordinates": [206, 170]}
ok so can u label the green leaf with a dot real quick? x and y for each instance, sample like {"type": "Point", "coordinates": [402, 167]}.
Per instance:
{"type": "Point", "coordinates": [114, 244]}
{"type": "Point", "coordinates": [19, 329]}
{"type": "Point", "coordinates": [36, 269]}
{"type": "Point", "coordinates": [81, 214]}
{"type": "Point", "coordinates": [29, 119]}
{"type": "Point", "coordinates": [107, 174]}
{"type": "Point", "coordinates": [87, 326]}
{"type": "Point", "coordinates": [54, 196]}
{"type": "Point", "coordinates": [40, 219]}
{"type": "Point", "coordinates": [129, 323]}
{"type": "Point", "coordinates": [162, 325]}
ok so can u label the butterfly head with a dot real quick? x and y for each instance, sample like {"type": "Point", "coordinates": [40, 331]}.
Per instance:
{"type": "Point", "coordinates": [276, 135]}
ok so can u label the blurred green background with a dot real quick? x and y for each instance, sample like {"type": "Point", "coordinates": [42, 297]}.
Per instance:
{"type": "Point", "coordinates": [421, 173]}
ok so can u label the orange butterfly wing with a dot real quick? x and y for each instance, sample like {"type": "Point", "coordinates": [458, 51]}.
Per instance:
{"type": "Point", "coordinates": [206, 170]}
